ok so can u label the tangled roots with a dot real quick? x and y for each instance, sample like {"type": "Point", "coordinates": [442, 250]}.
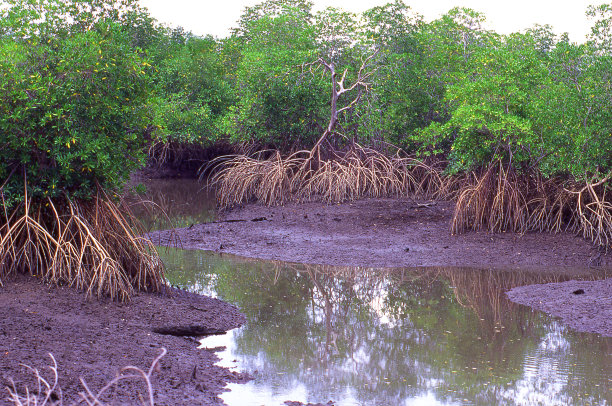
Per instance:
{"type": "Point", "coordinates": [494, 201]}
{"type": "Point", "coordinates": [500, 199]}
{"type": "Point", "coordinates": [242, 178]}
{"type": "Point", "coordinates": [89, 244]}
{"type": "Point", "coordinates": [302, 176]}
{"type": "Point", "coordinates": [593, 211]}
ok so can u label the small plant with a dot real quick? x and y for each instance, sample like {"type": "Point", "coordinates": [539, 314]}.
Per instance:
{"type": "Point", "coordinates": [48, 392]}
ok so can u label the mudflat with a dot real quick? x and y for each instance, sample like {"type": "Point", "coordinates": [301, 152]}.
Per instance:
{"type": "Point", "coordinates": [407, 233]}
{"type": "Point", "coordinates": [582, 305]}
{"type": "Point", "coordinates": [377, 233]}
{"type": "Point", "coordinates": [94, 338]}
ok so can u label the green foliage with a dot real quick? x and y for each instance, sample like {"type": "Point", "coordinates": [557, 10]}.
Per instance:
{"type": "Point", "coordinates": [279, 102]}
{"type": "Point", "coordinates": [489, 108]}
{"type": "Point", "coordinates": [85, 82]}
{"type": "Point", "coordinates": [448, 88]}
{"type": "Point", "coordinates": [72, 110]}
{"type": "Point", "coordinates": [193, 92]}
{"type": "Point", "coordinates": [404, 98]}
{"type": "Point", "coordinates": [55, 18]}
{"type": "Point", "coordinates": [534, 100]}
{"type": "Point", "coordinates": [601, 32]}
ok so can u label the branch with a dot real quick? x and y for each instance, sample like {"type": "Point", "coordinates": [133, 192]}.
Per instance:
{"type": "Point", "coordinates": [322, 61]}
{"type": "Point", "coordinates": [361, 77]}
{"type": "Point", "coordinates": [351, 104]}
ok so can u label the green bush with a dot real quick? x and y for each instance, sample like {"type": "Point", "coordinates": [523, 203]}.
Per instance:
{"type": "Point", "coordinates": [72, 111]}
{"type": "Point", "coordinates": [279, 104]}
{"type": "Point", "coordinates": [192, 90]}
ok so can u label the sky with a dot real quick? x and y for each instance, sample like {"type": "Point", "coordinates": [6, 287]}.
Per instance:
{"type": "Point", "coordinates": [217, 17]}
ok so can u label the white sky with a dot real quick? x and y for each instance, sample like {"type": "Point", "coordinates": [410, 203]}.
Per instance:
{"type": "Point", "coordinates": [216, 17]}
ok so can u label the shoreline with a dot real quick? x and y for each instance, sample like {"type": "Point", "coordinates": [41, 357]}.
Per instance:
{"type": "Point", "coordinates": [384, 233]}
{"type": "Point", "coordinates": [94, 338]}
{"type": "Point", "coordinates": [406, 233]}
{"type": "Point", "coordinates": [585, 306]}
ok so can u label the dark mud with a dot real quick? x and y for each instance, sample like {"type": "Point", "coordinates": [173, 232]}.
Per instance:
{"type": "Point", "coordinates": [378, 233]}
{"type": "Point", "coordinates": [583, 305]}
{"type": "Point", "coordinates": [406, 233]}
{"type": "Point", "coordinates": [92, 339]}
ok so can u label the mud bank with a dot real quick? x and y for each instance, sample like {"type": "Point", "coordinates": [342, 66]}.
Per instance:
{"type": "Point", "coordinates": [583, 305]}
{"type": "Point", "coordinates": [378, 233]}
{"type": "Point", "coordinates": [92, 339]}
{"type": "Point", "coordinates": [406, 233]}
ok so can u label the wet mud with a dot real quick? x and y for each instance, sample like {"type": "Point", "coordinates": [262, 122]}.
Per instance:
{"type": "Point", "coordinates": [93, 339]}
{"type": "Point", "coordinates": [378, 233]}
{"type": "Point", "coordinates": [583, 305]}
{"type": "Point", "coordinates": [406, 233]}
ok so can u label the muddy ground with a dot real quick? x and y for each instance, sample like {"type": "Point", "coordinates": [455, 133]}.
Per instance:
{"type": "Point", "coordinates": [403, 233]}
{"type": "Point", "coordinates": [377, 233]}
{"type": "Point", "coordinates": [92, 339]}
{"type": "Point", "coordinates": [582, 305]}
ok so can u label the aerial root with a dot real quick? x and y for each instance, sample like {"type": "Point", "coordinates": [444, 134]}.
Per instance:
{"type": "Point", "coordinates": [92, 245]}
{"type": "Point", "coordinates": [501, 199]}
{"type": "Point", "coordinates": [306, 176]}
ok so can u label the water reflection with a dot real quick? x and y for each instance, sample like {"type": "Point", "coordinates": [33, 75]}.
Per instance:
{"type": "Point", "coordinates": [364, 336]}
{"type": "Point", "coordinates": [169, 203]}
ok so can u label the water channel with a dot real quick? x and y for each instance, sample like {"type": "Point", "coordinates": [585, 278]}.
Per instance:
{"type": "Point", "coordinates": [365, 336]}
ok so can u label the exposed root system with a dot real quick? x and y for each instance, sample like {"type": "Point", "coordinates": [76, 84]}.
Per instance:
{"type": "Point", "coordinates": [500, 199]}
{"type": "Point", "coordinates": [494, 201]}
{"type": "Point", "coordinates": [593, 211]}
{"type": "Point", "coordinates": [91, 245]}
{"type": "Point", "coordinates": [49, 393]}
{"type": "Point", "coordinates": [306, 176]}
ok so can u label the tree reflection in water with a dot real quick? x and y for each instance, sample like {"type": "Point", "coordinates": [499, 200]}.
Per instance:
{"type": "Point", "coordinates": [170, 203]}
{"type": "Point", "coordinates": [385, 336]}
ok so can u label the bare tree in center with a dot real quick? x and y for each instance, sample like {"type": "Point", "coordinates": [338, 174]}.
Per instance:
{"type": "Point", "coordinates": [338, 89]}
{"type": "Point", "coordinates": [326, 172]}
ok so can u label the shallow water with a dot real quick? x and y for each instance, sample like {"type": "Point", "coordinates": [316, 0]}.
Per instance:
{"type": "Point", "coordinates": [362, 336]}
{"type": "Point", "coordinates": [169, 203]}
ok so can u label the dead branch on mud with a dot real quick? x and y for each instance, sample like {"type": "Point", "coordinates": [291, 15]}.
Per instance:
{"type": "Point", "coordinates": [48, 392]}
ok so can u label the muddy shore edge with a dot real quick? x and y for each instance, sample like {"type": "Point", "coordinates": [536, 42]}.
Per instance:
{"type": "Point", "coordinates": [584, 306]}
{"type": "Point", "coordinates": [94, 338]}
{"type": "Point", "coordinates": [378, 233]}
{"type": "Point", "coordinates": [403, 233]}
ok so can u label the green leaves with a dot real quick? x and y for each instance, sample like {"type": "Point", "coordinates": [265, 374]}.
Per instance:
{"type": "Point", "coordinates": [193, 92]}
{"type": "Point", "coordinates": [281, 100]}
{"type": "Point", "coordinates": [527, 99]}
{"type": "Point", "coordinates": [71, 110]}
{"type": "Point", "coordinates": [84, 85]}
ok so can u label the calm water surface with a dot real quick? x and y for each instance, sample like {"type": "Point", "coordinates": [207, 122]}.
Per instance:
{"type": "Point", "coordinates": [363, 336]}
